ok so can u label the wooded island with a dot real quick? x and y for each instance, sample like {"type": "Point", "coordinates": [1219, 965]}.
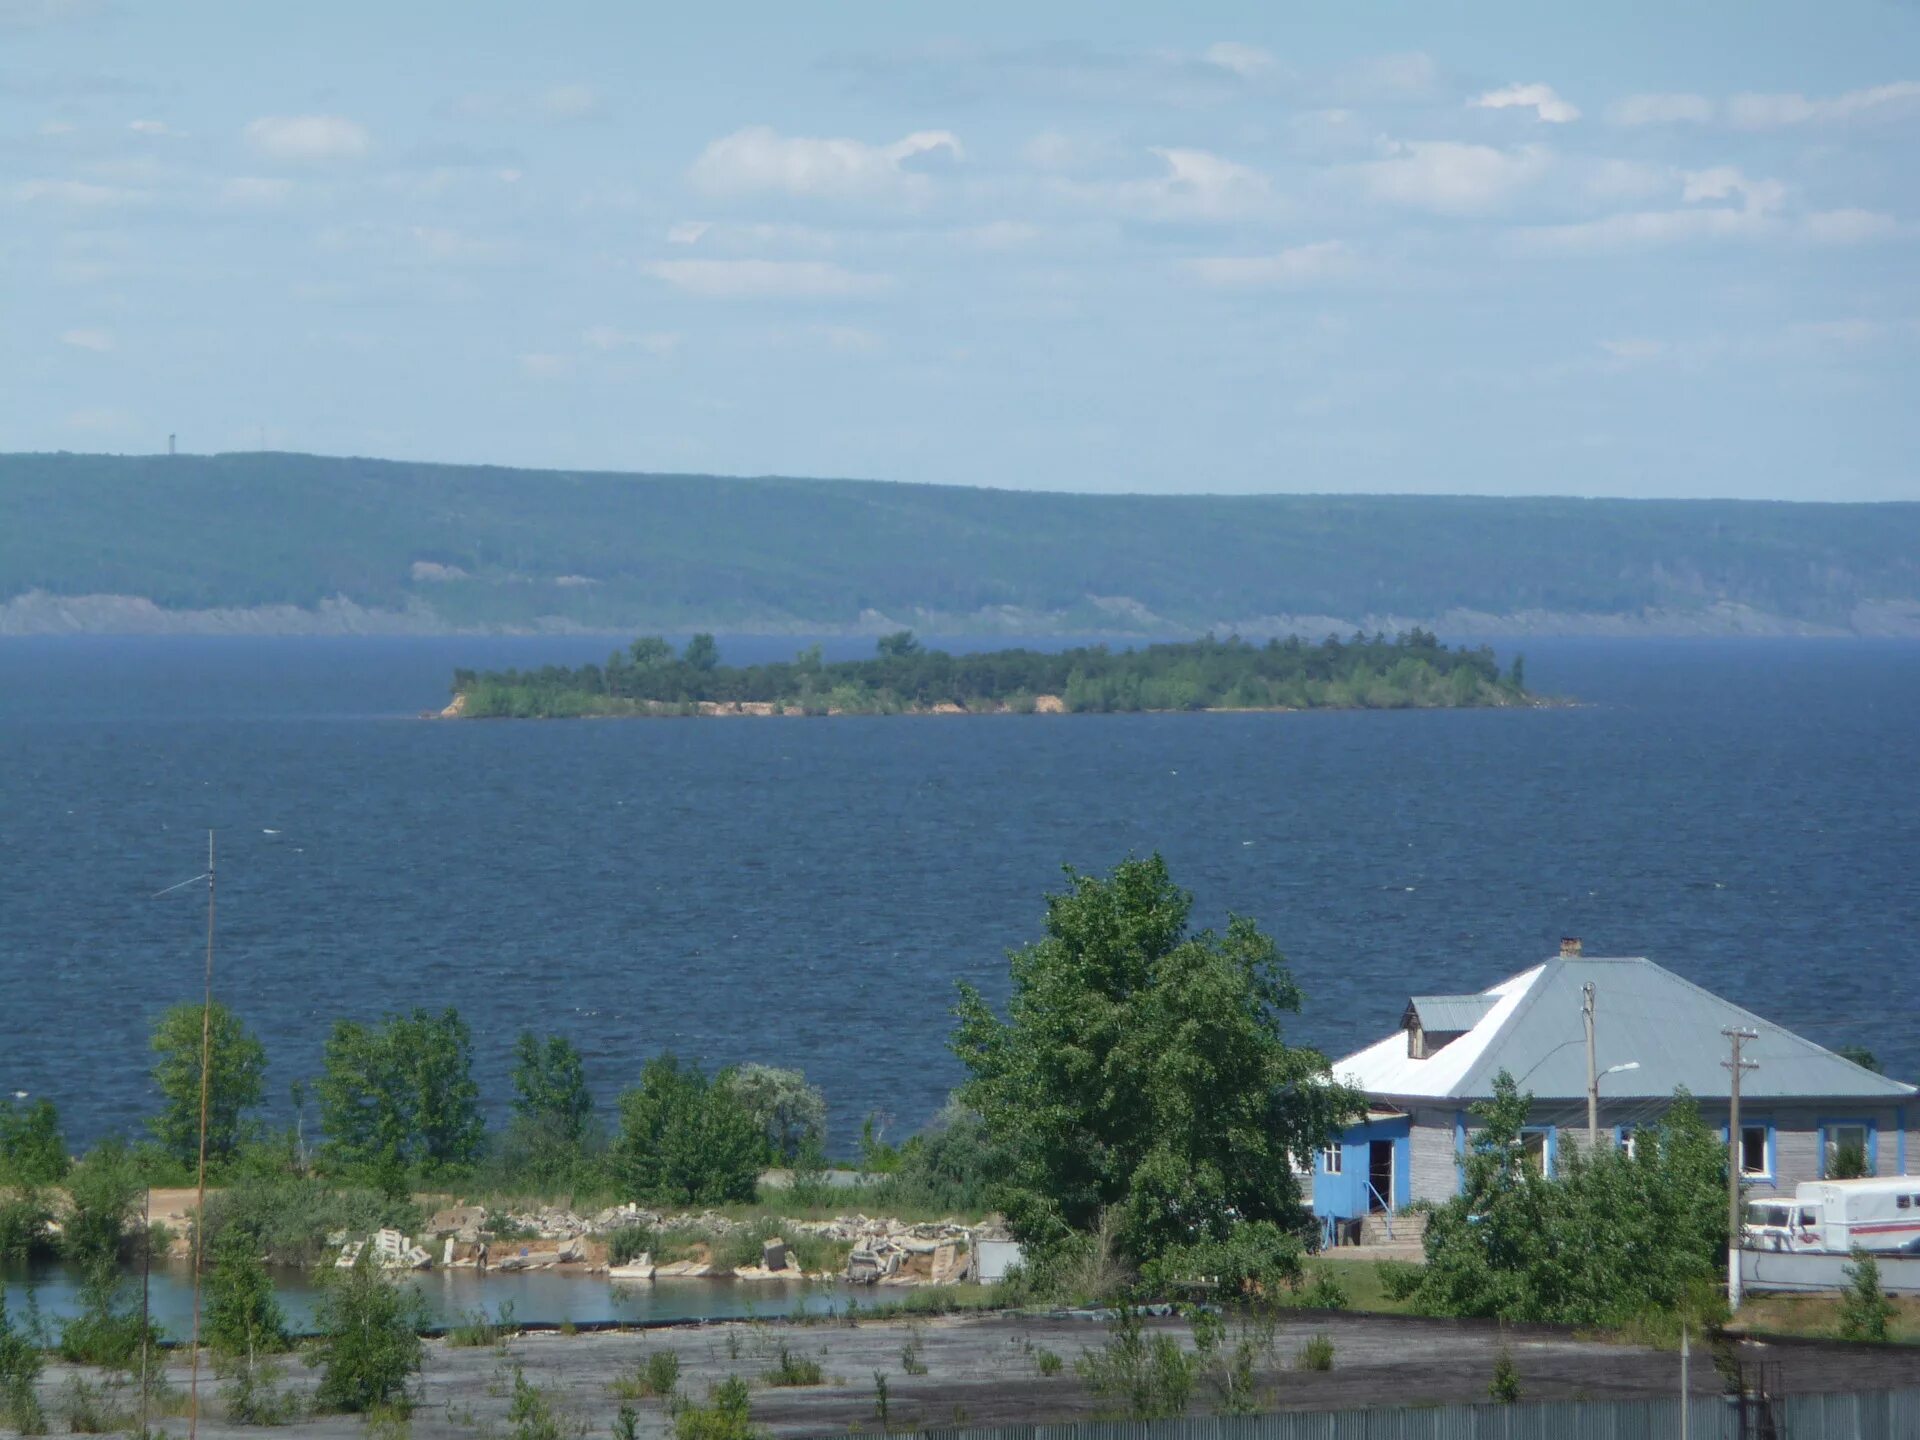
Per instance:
{"type": "Point", "coordinates": [1409, 670]}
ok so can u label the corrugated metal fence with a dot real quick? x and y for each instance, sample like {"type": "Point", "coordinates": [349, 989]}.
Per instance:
{"type": "Point", "coordinates": [1863, 1415]}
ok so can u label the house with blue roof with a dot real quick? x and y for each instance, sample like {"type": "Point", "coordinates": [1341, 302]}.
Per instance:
{"type": "Point", "coordinates": [1801, 1106]}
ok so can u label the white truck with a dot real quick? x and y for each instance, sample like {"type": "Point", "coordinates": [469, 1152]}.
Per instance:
{"type": "Point", "coordinates": [1831, 1217]}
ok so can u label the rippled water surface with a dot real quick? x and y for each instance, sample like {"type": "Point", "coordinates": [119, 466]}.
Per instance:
{"type": "Point", "coordinates": [806, 892]}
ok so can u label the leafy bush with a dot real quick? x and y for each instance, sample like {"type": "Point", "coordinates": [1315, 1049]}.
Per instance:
{"type": "Point", "coordinates": [1046, 1362]}
{"type": "Point", "coordinates": [101, 1191]}
{"type": "Point", "coordinates": [630, 1242]}
{"type": "Point", "coordinates": [794, 1370]}
{"type": "Point", "coordinates": [1504, 1388]}
{"type": "Point", "coordinates": [1399, 1279]}
{"type": "Point", "coordinates": [90, 1409]}
{"type": "Point", "coordinates": [530, 1413]}
{"type": "Point", "coordinates": [477, 1329]}
{"type": "Point", "coordinates": [1323, 1292]}
{"type": "Point", "coordinates": [1149, 1375]}
{"type": "Point", "coordinates": [20, 1366]}
{"type": "Point", "coordinates": [244, 1319]}
{"type": "Point", "coordinates": [656, 1377]}
{"type": "Point", "coordinates": [685, 1139]}
{"type": "Point", "coordinates": [108, 1329]}
{"type": "Point", "coordinates": [1316, 1354]}
{"type": "Point", "coordinates": [1865, 1309]}
{"type": "Point", "coordinates": [369, 1347]}
{"type": "Point", "coordinates": [26, 1219]}
{"type": "Point", "coordinates": [725, 1416]}
{"type": "Point", "coordinates": [286, 1219]}
{"type": "Point", "coordinates": [1254, 1258]}
{"type": "Point", "coordinates": [31, 1150]}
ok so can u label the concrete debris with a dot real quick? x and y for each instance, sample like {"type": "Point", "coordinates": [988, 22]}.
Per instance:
{"type": "Point", "coordinates": [391, 1251]}
{"type": "Point", "coordinates": [773, 1254]}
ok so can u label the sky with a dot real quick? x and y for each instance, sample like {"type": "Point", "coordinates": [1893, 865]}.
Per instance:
{"type": "Point", "coordinates": [1633, 249]}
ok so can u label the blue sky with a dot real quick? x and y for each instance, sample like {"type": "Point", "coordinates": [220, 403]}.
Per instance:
{"type": "Point", "coordinates": [1500, 249]}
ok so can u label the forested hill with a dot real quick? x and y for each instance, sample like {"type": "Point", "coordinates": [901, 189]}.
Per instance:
{"type": "Point", "coordinates": [271, 542]}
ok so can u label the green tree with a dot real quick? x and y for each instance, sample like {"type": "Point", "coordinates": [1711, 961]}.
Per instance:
{"type": "Point", "coordinates": [31, 1149]}
{"type": "Point", "coordinates": [1142, 1071]}
{"type": "Point", "coordinates": [900, 645]}
{"type": "Point", "coordinates": [369, 1348]}
{"type": "Point", "coordinates": [788, 1110]}
{"type": "Point", "coordinates": [401, 1096]}
{"type": "Point", "coordinates": [20, 1365]}
{"type": "Point", "coordinates": [685, 1139]}
{"type": "Point", "coordinates": [1865, 1309]}
{"type": "Point", "coordinates": [649, 651]}
{"type": "Point", "coordinates": [244, 1318]}
{"type": "Point", "coordinates": [102, 1192]}
{"type": "Point", "coordinates": [1861, 1056]}
{"type": "Point", "coordinates": [702, 653]}
{"type": "Point", "coordinates": [235, 1084]}
{"type": "Point", "coordinates": [1608, 1238]}
{"type": "Point", "coordinates": [552, 1108]}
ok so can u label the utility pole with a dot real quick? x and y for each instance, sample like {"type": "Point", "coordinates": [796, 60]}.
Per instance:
{"type": "Point", "coordinates": [1685, 1356]}
{"type": "Point", "coordinates": [1593, 1073]}
{"type": "Point", "coordinates": [1734, 1066]}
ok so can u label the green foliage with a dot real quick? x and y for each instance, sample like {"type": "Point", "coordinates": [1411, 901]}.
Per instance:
{"type": "Point", "coordinates": [253, 1393]}
{"type": "Point", "coordinates": [725, 1416]}
{"type": "Point", "coordinates": [1323, 1292]}
{"type": "Point", "coordinates": [369, 1348]}
{"type": "Point", "coordinates": [630, 1242]}
{"type": "Point", "coordinates": [1399, 1279]}
{"type": "Point", "coordinates": [1865, 1309]}
{"type": "Point", "coordinates": [1256, 1257]}
{"type": "Point", "coordinates": [530, 1412]}
{"type": "Point", "coordinates": [1849, 1162]}
{"type": "Point", "coordinates": [26, 1220]}
{"type": "Point", "coordinates": [789, 1111]}
{"type": "Point", "coordinates": [952, 1165]}
{"type": "Point", "coordinates": [552, 1109]}
{"type": "Point", "coordinates": [1047, 1362]}
{"type": "Point", "coordinates": [476, 1329]}
{"type": "Point", "coordinates": [880, 1407]}
{"type": "Point", "coordinates": [1229, 1362]}
{"type": "Point", "coordinates": [1412, 669]}
{"type": "Point", "coordinates": [911, 1360]}
{"type": "Point", "coordinates": [685, 1139]}
{"type": "Point", "coordinates": [794, 1371]}
{"type": "Point", "coordinates": [662, 1372]}
{"type": "Point", "coordinates": [286, 1218]}
{"type": "Point", "coordinates": [401, 1096]}
{"type": "Point", "coordinates": [1861, 1056]}
{"type": "Point", "coordinates": [1504, 1388]}
{"type": "Point", "coordinates": [235, 1082]}
{"type": "Point", "coordinates": [1141, 1074]}
{"type": "Point", "coordinates": [1315, 1354]}
{"type": "Point", "coordinates": [107, 1329]}
{"type": "Point", "coordinates": [32, 1152]}
{"type": "Point", "coordinates": [626, 1423]}
{"type": "Point", "coordinates": [243, 1318]}
{"type": "Point", "coordinates": [1610, 1237]}
{"type": "Point", "coordinates": [1148, 1374]}
{"type": "Point", "coordinates": [101, 1194]}
{"type": "Point", "coordinates": [20, 1365]}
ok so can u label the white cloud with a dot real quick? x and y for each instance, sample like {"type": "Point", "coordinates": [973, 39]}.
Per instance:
{"type": "Point", "coordinates": [758, 159]}
{"type": "Point", "coordinates": [1538, 98]}
{"type": "Point", "coordinates": [1195, 185]}
{"type": "Point", "coordinates": [1059, 153]}
{"type": "Point", "coordinates": [1670, 109]}
{"type": "Point", "coordinates": [149, 127]}
{"type": "Point", "coordinates": [1629, 352]}
{"type": "Point", "coordinates": [1297, 266]}
{"type": "Point", "coordinates": [1770, 112]}
{"type": "Point", "coordinates": [1849, 227]}
{"type": "Point", "coordinates": [654, 342]}
{"type": "Point", "coordinates": [255, 190]}
{"type": "Point", "coordinates": [1721, 203]}
{"type": "Point", "coordinates": [1621, 180]}
{"type": "Point", "coordinates": [1001, 234]}
{"type": "Point", "coordinates": [1451, 177]}
{"type": "Point", "coordinates": [688, 232]}
{"type": "Point", "coordinates": [307, 138]}
{"type": "Point", "coordinates": [541, 365]}
{"type": "Point", "coordinates": [848, 339]}
{"type": "Point", "coordinates": [767, 279]}
{"type": "Point", "coordinates": [1243, 60]}
{"type": "Point", "coordinates": [96, 340]}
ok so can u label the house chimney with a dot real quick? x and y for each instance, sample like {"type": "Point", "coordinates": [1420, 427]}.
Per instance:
{"type": "Point", "coordinates": [1569, 947]}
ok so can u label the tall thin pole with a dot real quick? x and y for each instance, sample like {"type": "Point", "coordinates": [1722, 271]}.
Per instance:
{"type": "Point", "coordinates": [200, 1213]}
{"type": "Point", "coordinates": [1734, 1067]}
{"type": "Point", "coordinates": [1593, 1074]}
{"type": "Point", "coordinates": [1686, 1354]}
{"type": "Point", "coordinates": [146, 1280]}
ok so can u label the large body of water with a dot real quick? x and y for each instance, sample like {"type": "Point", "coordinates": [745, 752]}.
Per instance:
{"type": "Point", "coordinates": [806, 892]}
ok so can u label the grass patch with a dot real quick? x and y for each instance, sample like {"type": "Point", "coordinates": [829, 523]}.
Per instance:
{"type": "Point", "coordinates": [1316, 1354]}
{"type": "Point", "coordinates": [1818, 1316]}
{"type": "Point", "coordinates": [656, 1378]}
{"type": "Point", "coordinates": [1364, 1285]}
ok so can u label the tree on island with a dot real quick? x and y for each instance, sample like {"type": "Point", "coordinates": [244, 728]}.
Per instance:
{"type": "Point", "coordinates": [235, 1082]}
{"type": "Point", "coordinates": [685, 1139]}
{"type": "Point", "coordinates": [552, 1107]}
{"type": "Point", "coordinates": [32, 1151]}
{"type": "Point", "coordinates": [702, 653]}
{"type": "Point", "coordinates": [897, 646]}
{"type": "Point", "coordinates": [1140, 1088]}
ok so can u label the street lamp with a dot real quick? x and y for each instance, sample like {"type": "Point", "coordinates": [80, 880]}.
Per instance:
{"type": "Point", "coordinates": [1593, 1100]}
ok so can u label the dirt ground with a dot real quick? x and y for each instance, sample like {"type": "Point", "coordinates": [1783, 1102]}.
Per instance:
{"type": "Point", "coordinates": [985, 1370]}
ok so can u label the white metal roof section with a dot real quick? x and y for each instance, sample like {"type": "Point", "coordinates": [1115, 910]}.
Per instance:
{"type": "Point", "coordinates": [1667, 1027]}
{"type": "Point", "coordinates": [1386, 1068]}
{"type": "Point", "coordinates": [1445, 1013]}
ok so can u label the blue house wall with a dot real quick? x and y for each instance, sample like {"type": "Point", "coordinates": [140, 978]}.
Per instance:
{"type": "Point", "coordinates": [1344, 1196]}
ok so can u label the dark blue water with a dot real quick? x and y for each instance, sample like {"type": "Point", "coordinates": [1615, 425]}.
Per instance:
{"type": "Point", "coordinates": [806, 892]}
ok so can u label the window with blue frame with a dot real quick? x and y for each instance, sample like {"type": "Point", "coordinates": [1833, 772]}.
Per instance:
{"type": "Point", "coordinates": [1330, 1160]}
{"type": "Point", "coordinates": [1537, 1144]}
{"type": "Point", "coordinates": [1756, 1149]}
